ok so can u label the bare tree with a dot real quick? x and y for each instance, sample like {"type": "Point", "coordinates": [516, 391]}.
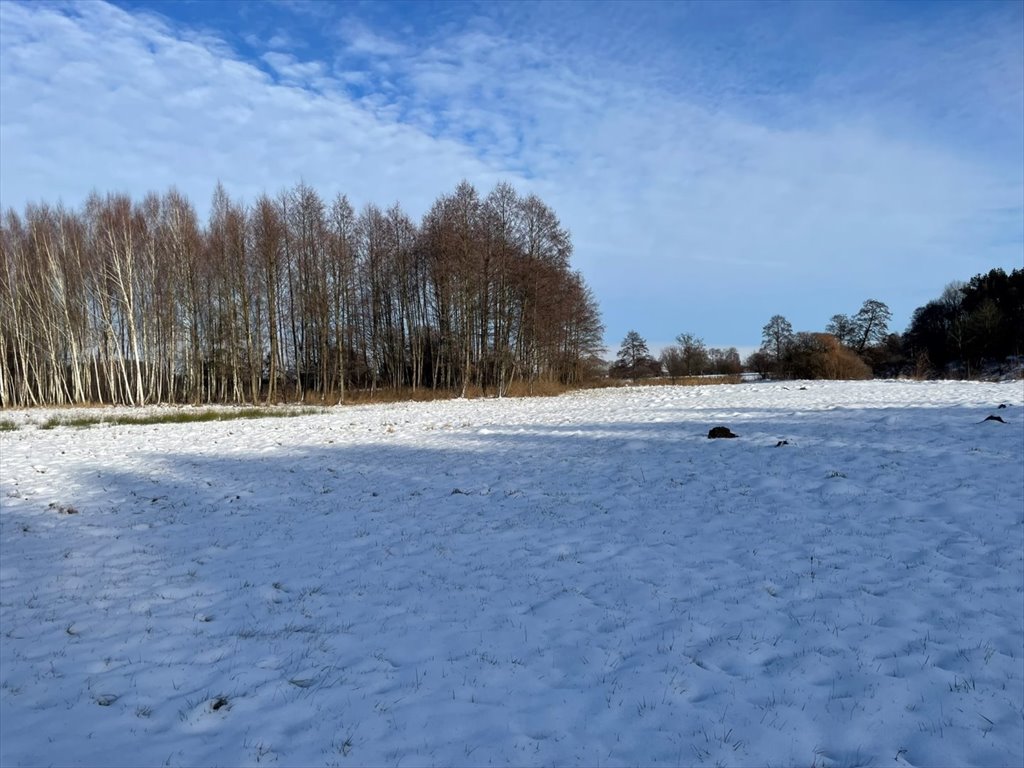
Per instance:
{"type": "Point", "coordinates": [341, 254]}
{"type": "Point", "coordinates": [871, 324]}
{"type": "Point", "coordinates": [724, 362]}
{"type": "Point", "coordinates": [673, 362]}
{"type": "Point", "coordinates": [119, 233]}
{"type": "Point", "coordinates": [268, 233]}
{"type": "Point", "coordinates": [843, 327]}
{"type": "Point", "coordinates": [694, 354]}
{"type": "Point", "coordinates": [776, 337]}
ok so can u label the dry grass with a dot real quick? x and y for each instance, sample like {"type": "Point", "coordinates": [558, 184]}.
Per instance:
{"type": "Point", "coordinates": [179, 417]}
{"type": "Point", "coordinates": [312, 404]}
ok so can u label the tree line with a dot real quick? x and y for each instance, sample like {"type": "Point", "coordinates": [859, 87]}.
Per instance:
{"type": "Point", "coordinates": [289, 298]}
{"type": "Point", "coordinates": [972, 325]}
{"type": "Point", "coordinates": [690, 356]}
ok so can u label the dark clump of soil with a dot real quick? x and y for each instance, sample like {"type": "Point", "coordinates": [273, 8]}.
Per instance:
{"type": "Point", "coordinates": [219, 703]}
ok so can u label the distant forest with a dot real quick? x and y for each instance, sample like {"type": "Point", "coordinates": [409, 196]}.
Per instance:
{"type": "Point", "coordinates": [972, 324]}
{"type": "Point", "coordinates": [974, 328]}
{"type": "Point", "coordinates": [288, 298]}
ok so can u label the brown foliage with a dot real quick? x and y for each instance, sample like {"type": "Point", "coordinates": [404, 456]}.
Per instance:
{"type": "Point", "coordinates": [821, 356]}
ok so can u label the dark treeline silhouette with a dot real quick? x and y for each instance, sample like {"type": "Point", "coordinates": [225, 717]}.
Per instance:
{"type": "Point", "coordinates": [971, 324]}
{"type": "Point", "coordinates": [288, 298]}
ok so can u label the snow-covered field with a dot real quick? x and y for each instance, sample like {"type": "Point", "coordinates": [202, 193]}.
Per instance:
{"type": "Point", "coordinates": [577, 580]}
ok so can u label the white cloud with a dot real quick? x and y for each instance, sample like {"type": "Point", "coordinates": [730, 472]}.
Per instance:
{"type": "Point", "coordinates": [104, 100]}
{"type": "Point", "coordinates": [359, 39]}
{"type": "Point", "coordinates": [292, 70]}
{"type": "Point", "coordinates": [279, 40]}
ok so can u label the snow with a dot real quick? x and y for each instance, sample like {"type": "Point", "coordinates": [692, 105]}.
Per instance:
{"type": "Point", "coordinates": [577, 580]}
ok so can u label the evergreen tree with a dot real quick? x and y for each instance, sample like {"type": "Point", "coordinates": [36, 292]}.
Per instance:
{"type": "Point", "coordinates": [634, 360]}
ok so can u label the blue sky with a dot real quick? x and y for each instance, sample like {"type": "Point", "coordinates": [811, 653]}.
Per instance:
{"type": "Point", "coordinates": [716, 163]}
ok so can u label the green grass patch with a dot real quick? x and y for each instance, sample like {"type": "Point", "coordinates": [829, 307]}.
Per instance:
{"type": "Point", "coordinates": [70, 421]}
{"type": "Point", "coordinates": [180, 417]}
{"type": "Point", "coordinates": [186, 417]}
{"type": "Point", "coordinates": [6, 425]}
